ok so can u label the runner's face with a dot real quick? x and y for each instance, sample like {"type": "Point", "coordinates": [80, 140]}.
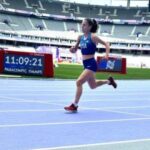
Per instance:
{"type": "Point", "coordinates": [85, 26]}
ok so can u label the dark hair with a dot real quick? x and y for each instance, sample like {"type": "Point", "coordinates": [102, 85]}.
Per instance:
{"type": "Point", "coordinates": [93, 23]}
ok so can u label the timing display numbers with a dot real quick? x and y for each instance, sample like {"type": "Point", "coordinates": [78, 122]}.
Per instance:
{"type": "Point", "coordinates": [23, 60]}
{"type": "Point", "coordinates": [23, 64]}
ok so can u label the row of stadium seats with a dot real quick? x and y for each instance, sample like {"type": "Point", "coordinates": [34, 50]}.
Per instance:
{"type": "Point", "coordinates": [78, 10]}
{"type": "Point", "coordinates": [19, 23]}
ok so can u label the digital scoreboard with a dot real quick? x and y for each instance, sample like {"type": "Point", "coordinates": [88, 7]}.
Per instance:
{"type": "Point", "coordinates": [26, 63]}
{"type": "Point", "coordinates": [116, 65]}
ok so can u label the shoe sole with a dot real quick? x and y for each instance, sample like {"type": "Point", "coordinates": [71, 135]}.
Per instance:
{"type": "Point", "coordinates": [72, 111]}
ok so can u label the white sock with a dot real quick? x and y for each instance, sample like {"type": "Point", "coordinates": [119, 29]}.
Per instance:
{"type": "Point", "coordinates": [75, 104]}
{"type": "Point", "coordinates": [108, 82]}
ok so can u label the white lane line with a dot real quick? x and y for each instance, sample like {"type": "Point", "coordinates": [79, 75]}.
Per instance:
{"type": "Point", "coordinates": [100, 109]}
{"type": "Point", "coordinates": [86, 108]}
{"type": "Point", "coordinates": [60, 88]}
{"type": "Point", "coordinates": [38, 90]}
{"type": "Point", "coordinates": [95, 144]}
{"type": "Point", "coordinates": [24, 100]}
{"type": "Point", "coordinates": [84, 100]}
{"type": "Point", "coordinates": [55, 110]}
{"type": "Point", "coordinates": [113, 111]}
{"type": "Point", "coordinates": [16, 101]}
{"type": "Point", "coordinates": [35, 86]}
{"type": "Point", "coordinates": [73, 122]}
{"type": "Point", "coordinates": [34, 102]}
{"type": "Point", "coordinates": [106, 110]}
{"type": "Point", "coordinates": [109, 99]}
{"type": "Point", "coordinates": [122, 112]}
{"type": "Point", "coordinates": [28, 101]}
{"type": "Point", "coordinates": [72, 86]}
{"type": "Point", "coordinates": [30, 110]}
{"type": "Point", "coordinates": [128, 113]}
{"type": "Point", "coordinates": [56, 93]}
{"type": "Point", "coordinates": [82, 108]}
{"type": "Point", "coordinates": [37, 102]}
{"type": "Point", "coordinates": [122, 107]}
{"type": "Point", "coordinates": [116, 111]}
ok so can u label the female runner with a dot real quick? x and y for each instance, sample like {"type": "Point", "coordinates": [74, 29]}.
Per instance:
{"type": "Point", "coordinates": [88, 42]}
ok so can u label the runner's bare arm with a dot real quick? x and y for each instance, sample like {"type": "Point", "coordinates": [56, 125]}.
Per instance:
{"type": "Point", "coordinates": [73, 49]}
{"type": "Point", "coordinates": [97, 40]}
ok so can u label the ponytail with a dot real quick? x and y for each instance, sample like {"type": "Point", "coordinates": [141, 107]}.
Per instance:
{"type": "Point", "coordinates": [93, 23]}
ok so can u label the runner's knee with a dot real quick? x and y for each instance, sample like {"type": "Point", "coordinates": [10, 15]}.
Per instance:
{"type": "Point", "coordinates": [92, 86]}
{"type": "Point", "coordinates": [79, 82]}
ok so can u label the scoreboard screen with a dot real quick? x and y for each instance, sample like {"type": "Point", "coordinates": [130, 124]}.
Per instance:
{"type": "Point", "coordinates": [116, 65]}
{"type": "Point", "coordinates": [31, 65]}
{"type": "Point", "coordinates": [26, 63]}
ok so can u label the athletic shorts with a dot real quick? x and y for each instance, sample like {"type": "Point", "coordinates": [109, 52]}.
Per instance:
{"type": "Point", "coordinates": [90, 64]}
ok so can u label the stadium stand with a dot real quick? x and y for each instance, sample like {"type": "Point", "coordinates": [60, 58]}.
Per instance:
{"type": "Point", "coordinates": [77, 10]}
{"type": "Point", "coordinates": [23, 19]}
{"type": "Point", "coordinates": [30, 23]}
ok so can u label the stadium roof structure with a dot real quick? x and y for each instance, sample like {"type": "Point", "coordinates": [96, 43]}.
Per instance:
{"type": "Point", "coordinates": [125, 3]}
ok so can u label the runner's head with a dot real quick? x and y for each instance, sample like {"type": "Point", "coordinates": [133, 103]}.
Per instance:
{"type": "Point", "coordinates": [89, 25]}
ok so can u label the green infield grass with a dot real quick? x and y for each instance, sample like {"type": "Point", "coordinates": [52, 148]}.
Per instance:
{"type": "Point", "coordinates": [73, 71]}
